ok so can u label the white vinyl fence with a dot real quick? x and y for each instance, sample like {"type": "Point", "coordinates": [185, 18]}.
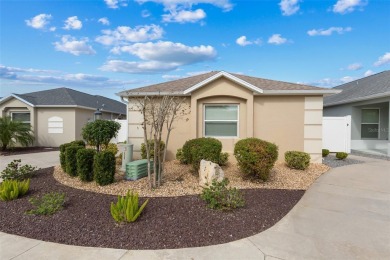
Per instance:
{"type": "Point", "coordinates": [122, 134]}
{"type": "Point", "coordinates": [336, 134]}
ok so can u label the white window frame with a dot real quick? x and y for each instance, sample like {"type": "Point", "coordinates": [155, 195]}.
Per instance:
{"type": "Point", "coordinates": [21, 112]}
{"type": "Point", "coordinates": [379, 123]}
{"type": "Point", "coordinates": [55, 126]}
{"type": "Point", "coordinates": [221, 104]}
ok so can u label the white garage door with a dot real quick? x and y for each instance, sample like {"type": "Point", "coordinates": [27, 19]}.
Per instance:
{"type": "Point", "coordinates": [336, 134]}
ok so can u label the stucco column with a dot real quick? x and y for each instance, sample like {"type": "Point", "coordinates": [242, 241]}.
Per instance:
{"type": "Point", "coordinates": [250, 119]}
{"type": "Point", "coordinates": [193, 117]}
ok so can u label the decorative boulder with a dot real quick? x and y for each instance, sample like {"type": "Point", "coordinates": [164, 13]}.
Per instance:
{"type": "Point", "coordinates": [208, 172]}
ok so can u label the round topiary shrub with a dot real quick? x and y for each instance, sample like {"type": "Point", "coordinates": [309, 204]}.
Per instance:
{"type": "Point", "coordinates": [71, 159]}
{"type": "Point", "coordinates": [198, 149]}
{"type": "Point", "coordinates": [325, 152]}
{"type": "Point", "coordinates": [85, 164]}
{"type": "Point", "coordinates": [256, 157]}
{"type": "Point", "coordinates": [341, 155]}
{"type": "Point", "coordinates": [151, 144]}
{"type": "Point", "coordinates": [104, 168]}
{"type": "Point", "coordinates": [78, 143]}
{"type": "Point", "coordinates": [297, 160]}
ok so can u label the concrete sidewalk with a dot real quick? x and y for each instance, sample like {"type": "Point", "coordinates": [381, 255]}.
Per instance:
{"type": "Point", "coordinates": [40, 160]}
{"type": "Point", "coordinates": [344, 215]}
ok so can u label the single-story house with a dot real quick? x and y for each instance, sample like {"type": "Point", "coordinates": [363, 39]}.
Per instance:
{"type": "Point", "coordinates": [231, 106]}
{"type": "Point", "coordinates": [58, 115]}
{"type": "Point", "coordinates": [367, 101]}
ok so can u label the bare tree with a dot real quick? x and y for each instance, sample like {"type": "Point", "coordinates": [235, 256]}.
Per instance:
{"type": "Point", "coordinates": [159, 113]}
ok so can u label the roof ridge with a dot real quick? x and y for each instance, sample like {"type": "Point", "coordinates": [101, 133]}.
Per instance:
{"type": "Point", "coordinates": [364, 77]}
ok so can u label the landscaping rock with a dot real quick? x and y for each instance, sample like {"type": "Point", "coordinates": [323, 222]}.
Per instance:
{"type": "Point", "coordinates": [208, 172]}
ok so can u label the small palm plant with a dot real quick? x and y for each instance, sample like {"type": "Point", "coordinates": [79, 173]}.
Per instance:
{"type": "Point", "coordinates": [13, 131]}
{"type": "Point", "coordinates": [127, 208]}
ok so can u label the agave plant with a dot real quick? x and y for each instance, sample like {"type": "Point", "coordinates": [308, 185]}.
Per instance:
{"type": "Point", "coordinates": [127, 208]}
{"type": "Point", "coordinates": [12, 189]}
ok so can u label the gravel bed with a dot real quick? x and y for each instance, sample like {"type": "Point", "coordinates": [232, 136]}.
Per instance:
{"type": "Point", "coordinates": [27, 150]}
{"type": "Point", "coordinates": [368, 155]}
{"type": "Point", "coordinates": [179, 181]}
{"type": "Point", "coordinates": [333, 162]}
{"type": "Point", "coordinates": [171, 222]}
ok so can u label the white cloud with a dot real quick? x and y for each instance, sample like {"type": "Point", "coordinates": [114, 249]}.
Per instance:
{"type": "Point", "coordinates": [159, 57]}
{"type": "Point", "coordinates": [184, 16]}
{"type": "Point", "coordinates": [57, 78]}
{"type": "Point", "coordinates": [114, 4]}
{"type": "Point", "coordinates": [226, 5]}
{"type": "Point", "coordinates": [125, 34]}
{"type": "Point", "coordinates": [329, 31]}
{"type": "Point", "coordinates": [104, 21]}
{"type": "Point", "coordinates": [289, 7]}
{"type": "Point", "coordinates": [277, 39]}
{"type": "Point", "coordinates": [171, 77]}
{"type": "Point", "coordinates": [355, 66]}
{"type": "Point", "coordinates": [347, 6]}
{"type": "Point", "coordinates": [242, 41]}
{"type": "Point", "coordinates": [39, 22]}
{"type": "Point", "coordinates": [72, 23]}
{"type": "Point", "coordinates": [69, 44]}
{"type": "Point", "coordinates": [330, 82]}
{"type": "Point", "coordinates": [368, 73]}
{"type": "Point", "coordinates": [385, 59]}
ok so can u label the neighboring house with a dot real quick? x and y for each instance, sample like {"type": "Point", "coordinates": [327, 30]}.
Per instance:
{"type": "Point", "coordinates": [58, 115]}
{"type": "Point", "coordinates": [230, 107]}
{"type": "Point", "coordinates": [367, 101]}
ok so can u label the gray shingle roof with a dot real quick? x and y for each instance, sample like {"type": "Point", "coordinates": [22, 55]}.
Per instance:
{"type": "Point", "coordinates": [70, 97]}
{"type": "Point", "coordinates": [180, 85]}
{"type": "Point", "coordinates": [374, 86]}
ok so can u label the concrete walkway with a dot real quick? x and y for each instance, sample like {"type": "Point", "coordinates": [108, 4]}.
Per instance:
{"type": "Point", "coordinates": [40, 160]}
{"type": "Point", "coordinates": [344, 215]}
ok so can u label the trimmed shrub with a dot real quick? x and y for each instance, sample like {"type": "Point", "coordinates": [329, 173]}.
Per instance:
{"type": "Point", "coordinates": [111, 148]}
{"type": "Point", "coordinates": [127, 208]}
{"type": "Point", "coordinates": [48, 204]}
{"type": "Point", "coordinates": [13, 189]}
{"type": "Point", "coordinates": [85, 164]}
{"type": "Point", "coordinates": [104, 168]}
{"type": "Point", "coordinates": [71, 159]}
{"type": "Point", "coordinates": [118, 159]}
{"type": "Point", "coordinates": [151, 144]}
{"type": "Point", "coordinates": [78, 143]}
{"type": "Point", "coordinates": [218, 196]}
{"type": "Point", "coordinates": [325, 152]}
{"type": "Point", "coordinates": [256, 157]}
{"type": "Point", "coordinates": [198, 149]}
{"type": "Point", "coordinates": [180, 156]}
{"type": "Point", "coordinates": [223, 159]}
{"type": "Point", "coordinates": [341, 155]}
{"type": "Point", "coordinates": [297, 160]}
{"type": "Point", "coordinates": [62, 155]}
{"type": "Point", "coordinates": [14, 171]}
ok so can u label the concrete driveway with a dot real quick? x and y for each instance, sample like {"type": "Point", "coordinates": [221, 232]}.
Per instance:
{"type": "Point", "coordinates": [344, 215]}
{"type": "Point", "coordinates": [41, 160]}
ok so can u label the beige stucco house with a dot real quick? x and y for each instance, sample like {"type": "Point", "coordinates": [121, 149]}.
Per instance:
{"type": "Point", "coordinates": [231, 106]}
{"type": "Point", "coordinates": [58, 115]}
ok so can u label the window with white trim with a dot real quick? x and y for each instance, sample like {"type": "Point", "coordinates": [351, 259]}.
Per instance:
{"type": "Point", "coordinates": [55, 125]}
{"type": "Point", "coordinates": [24, 117]}
{"type": "Point", "coordinates": [221, 120]}
{"type": "Point", "coordinates": [370, 123]}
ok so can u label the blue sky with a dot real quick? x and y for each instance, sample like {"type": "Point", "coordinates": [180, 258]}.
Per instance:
{"type": "Point", "coordinates": [106, 46]}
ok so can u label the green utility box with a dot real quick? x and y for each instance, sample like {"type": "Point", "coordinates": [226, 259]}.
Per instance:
{"type": "Point", "coordinates": [137, 169]}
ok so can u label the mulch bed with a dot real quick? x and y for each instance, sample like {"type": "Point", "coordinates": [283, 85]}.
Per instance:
{"type": "Point", "coordinates": [27, 150]}
{"type": "Point", "coordinates": [173, 222]}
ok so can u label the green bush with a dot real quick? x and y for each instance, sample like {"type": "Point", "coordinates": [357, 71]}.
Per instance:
{"type": "Point", "coordinates": [297, 160]}
{"type": "Point", "coordinates": [127, 208]}
{"type": "Point", "coordinates": [78, 143]}
{"type": "Point", "coordinates": [14, 171]}
{"type": "Point", "coordinates": [85, 164]}
{"type": "Point", "coordinates": [13, 189]}
{"type": "Point", "coordinates": [256, 157]}
{"type": "Point", "coordinates": [71, 159]}
{"type": "Point", "coordinates": [198, 149]}
{"type": "Point", "coordinates": [48, 204]}
{"type": "Point", "coordinates": [325, 152]}
{"type": "Point", "coordinates": [341, 155]}
{"type": "Point", "coordinates": [218, 196]}
{"type": "Point", "coordinates": [223, 159]}
{"type": "Point", "coordinates": [111, 148]}
{"type": "Point", "coordinates": [118, 159]}
{"type": "Point", "coordinates": [151, 144]}
{"type": "Point", "coordinates": [180, 156]}
{"type": "Point", "coordinates": [104, 168]}
{"type": "Point", "coordinates": [100, 132]}
{"type": "Point", "coordinates": [62, 155]}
